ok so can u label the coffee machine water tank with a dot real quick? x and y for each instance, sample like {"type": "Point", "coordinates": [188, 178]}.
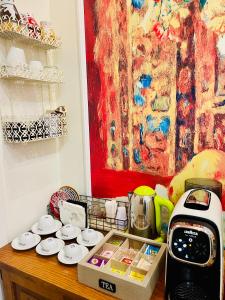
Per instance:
{"type": "Point", "coordinates": [194, 267]}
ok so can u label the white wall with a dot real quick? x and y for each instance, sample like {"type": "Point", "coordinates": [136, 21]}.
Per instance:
{"type": "Point", "coordinates": [29, 173]}
{"type": "Point", "coordinates": [40, 8]}
{"type": "Point", "coordinates": [73, 158]}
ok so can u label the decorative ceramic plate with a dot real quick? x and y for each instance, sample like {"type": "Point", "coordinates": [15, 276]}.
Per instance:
{"type": "Point", "coordinates": [71, 192]}
{"type": "Point", "coordinates": [17, 246]}
{"type": "Point", "coordinates": [67, 261]}
{"type": "Point", "coordinates": [54, 202]}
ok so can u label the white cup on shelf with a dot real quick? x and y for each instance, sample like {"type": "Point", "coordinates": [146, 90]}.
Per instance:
{"type": "Point", "coordinates": [51, 73]}
{"type": "Point", "coordinates": [16, 58]}
{"type": "Point", "coordinates": [36, 67]}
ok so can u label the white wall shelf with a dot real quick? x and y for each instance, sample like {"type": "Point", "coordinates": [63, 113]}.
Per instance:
{"type": "Point", "coordinates": [18, 31]}
{"type": "Point", "coordinates": [47, 75]}
{"type": "Point", "coordinates": [49, 125]}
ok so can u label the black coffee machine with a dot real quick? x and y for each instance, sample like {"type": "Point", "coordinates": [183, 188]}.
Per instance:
{"type": "Point", "coordinates": [194, 268]}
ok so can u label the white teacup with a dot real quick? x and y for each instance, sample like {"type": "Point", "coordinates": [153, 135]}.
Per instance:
{"type": "Point", "coordinates": [89, 235]}
{"type": "Point", "coordinates": [72, 251]}
{"type": "Point", "coordinates": [26, 238]}
{"type": "Point", "coordinates": [48, 244]}
{"type": "Point", "coordinates": [46, 223]}
{"type": "Point", "coordinates": [67, 230]}
{"type": "Point", "coordinates": [36, 67]}
{"type": "Point", "coordinates": [16, 57]}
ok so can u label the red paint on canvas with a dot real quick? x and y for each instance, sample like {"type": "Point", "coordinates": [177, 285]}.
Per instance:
{"type": "Point", "coordinates": [145, 127]}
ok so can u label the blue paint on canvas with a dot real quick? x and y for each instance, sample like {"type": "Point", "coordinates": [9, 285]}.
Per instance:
{"type": "Point", "coordinates": [138, 3]}
{"type": "Point", "coordinates": [139, 100]}
{"type": "Point", "coordinates": [145, 81]}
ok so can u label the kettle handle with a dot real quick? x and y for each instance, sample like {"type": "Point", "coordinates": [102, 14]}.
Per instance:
{"type": "Point", "coordinates": [159, 201]}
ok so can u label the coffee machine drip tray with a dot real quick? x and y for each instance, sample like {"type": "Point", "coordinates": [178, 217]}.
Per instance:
{"type": "Point", "coordinates": [189, 290]}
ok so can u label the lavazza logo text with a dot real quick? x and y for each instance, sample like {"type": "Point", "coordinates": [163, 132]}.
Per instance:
{"type": "Point", "coordinates": [191, 232]}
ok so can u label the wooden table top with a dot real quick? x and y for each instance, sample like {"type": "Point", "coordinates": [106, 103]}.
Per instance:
{"type": "Point", "coordinates": [48, 269]}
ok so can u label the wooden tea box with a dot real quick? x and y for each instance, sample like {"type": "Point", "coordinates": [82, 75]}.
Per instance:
{"type": "Point", "coordinates": [123, 265]}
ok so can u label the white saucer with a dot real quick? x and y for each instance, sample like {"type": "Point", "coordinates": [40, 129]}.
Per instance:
{"type": "Point", "coordinates": [90, 244]}
{"type": "Point", "coordinates": [17, 246]}
{"type": "Point", "coordinates": [36, 230]}
{"type": "Point", "coordinates": [63, 259]}
{"type": "Point", "coordinates": [77, 232]}
{"type": "Point", "coordinates": [59, 247]}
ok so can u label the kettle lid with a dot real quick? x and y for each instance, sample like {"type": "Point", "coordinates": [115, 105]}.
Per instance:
{"type": "Point", "coordinates": [144, 190]}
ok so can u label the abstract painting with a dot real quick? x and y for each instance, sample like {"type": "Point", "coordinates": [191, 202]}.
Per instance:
{"type": "Point", "coordinates": [156, 89]}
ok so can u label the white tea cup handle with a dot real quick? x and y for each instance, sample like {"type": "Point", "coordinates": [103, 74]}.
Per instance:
{"type": "Point", "coordinates": [60, 203]}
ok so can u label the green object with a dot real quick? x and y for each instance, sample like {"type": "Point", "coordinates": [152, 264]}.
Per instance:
{"type": "Point", "coordinates": [160, 239]}
{"type": "Point", "coordinates": [116, 242]}
{"type": "Point", "coordinates": [160, 221]}
{"type": "Point", "coordinates": [156, 213]}
{"type": "Point", "coordinates": [144, 190]}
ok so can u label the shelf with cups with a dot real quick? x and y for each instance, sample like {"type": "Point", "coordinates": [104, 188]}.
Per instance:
{"type": "Point", "coordinates": [23, 28]}
{"type": "Point", "coordinates": [46, 74]}
{"type": "Point", "coordinates": [29, 34]}
{"type": "Point", "coordinates": [34, 128]}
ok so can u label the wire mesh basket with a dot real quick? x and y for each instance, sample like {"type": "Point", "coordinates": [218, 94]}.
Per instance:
{"type": "Point", "coordinates": [33, 128]}
{"type": "Point", "coordinates": [97, 214]}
